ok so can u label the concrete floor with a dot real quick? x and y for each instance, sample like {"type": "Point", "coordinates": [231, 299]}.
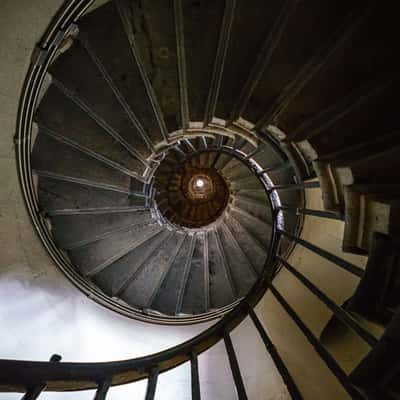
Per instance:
{"type": "Point", "coordinates": [42, 313]}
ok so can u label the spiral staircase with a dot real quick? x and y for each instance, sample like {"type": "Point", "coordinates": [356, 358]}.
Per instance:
{"type": "Point", "coordinates": [165, 151]}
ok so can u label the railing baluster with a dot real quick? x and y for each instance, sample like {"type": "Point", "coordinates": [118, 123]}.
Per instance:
{"type": "Point", "coordinates": [297, 186]}
{"type": "Point", "coordinates": [55, 358]}
{"type": "Point", "coordinates": [103, 388]}
{"type": "Point", "coordinates": [314, 213]}
{"type": "Point", "coordinates": [326, 357]}
{"type": "Point", "coordinates": [237, 376]}
{"type": "Point", "coordinates": [343, 315]}
{"type": "Point", "coordinates": [280, 365]}
{"type": "Point", "coordinates": [152, 384]}
{"type": "Point", "coordinates": [35, 391]}
{"type": "Point", "coordinates": [194, 367]}
{"type": "Point", "coordinates": [220, 58]}
{"type": "Point", "coordinates": [181, 57]}
{"type": "Point", "coordinates": [326, 118]}
{"type": "Point", "coordinates": [325, 254]}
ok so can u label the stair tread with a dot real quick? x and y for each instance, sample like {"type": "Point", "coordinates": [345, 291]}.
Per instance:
{"type": "Point", "coordinates": [59, 195]}
{"type": "Point", "coordinates": [200, 48]}
{"type": "Point", "coordinates": [222, 160]}
{"type": "Point", "coordinates": [377, 113]}
{"type": "Point", "coordinates": [378, 55]}
{"type": "Point", "coordinates": [267, 156]}
{"type": "Point", "coordinates": [166, 299]}
{"type": "Point", "coordinates": [63, 117]}
{"type": "Point", "coordinates": [77, 71]}
{"type": "Point", "coordinates": [194, 296]}
{"type": "Point", "coordinates": [242, 271]}
{"type": "Point", "coordinates": [290, 197]}
{"type": "Point", "coordinates": [258, 210]}
{"type": "Point", "coordinates": [250, 182]}
{"type": "Point", "coordinates": [73, 229]}
{"type": "Point", "coordinates": [212, 158]}
{"type": "Point", "coordinates": [115, 279]}
{"type": "Point", "coordinates": [154, 24]}
{"type": "Point", "coordinates": [261, 230]}
{"type": "Point", "coordinates": [88, 258]}
{"type": "Point", "coordinates": [257, 195]}
{"type": "Point", "coordinates": [104, 29]}
{"type": "Point", "coordinates": [282, 175]}
{"type": "Point", "coordinates": [220, 291]}
{"type": "Point", "coordinates": [248, 148]}
{"type": "Point", "coordinates": [248, 244]}
{"type": "Point", "coordinates": [140, 291]}
{"type": "Point", "coordinates": [236, 169]}
{"type": "Point", "coordinates": [243, 48]}
{"type": "Point", "coordinates": [52, 156]}
{"type": "Point", "coordinates": [285, 64]}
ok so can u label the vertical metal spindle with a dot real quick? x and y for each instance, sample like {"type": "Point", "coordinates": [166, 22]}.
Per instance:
{"type": "Point", "coordinates": [152, 384]}
{"type": "Point", "coordinates": [194, 366]}
{"type": "Point", "coordinates": [103, 388]}
{"type": "Point", "coordinates": [324, 354]}
{"type": "Point", "coordinates": [237, 376]}
{"type": "Point", "coordinates": [280, 365]}
{"type": "Point", "coordinates": [35, 391]}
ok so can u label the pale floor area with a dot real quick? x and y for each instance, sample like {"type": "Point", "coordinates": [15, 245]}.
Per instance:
{"type": "Point", "coordinates": [41, 313]}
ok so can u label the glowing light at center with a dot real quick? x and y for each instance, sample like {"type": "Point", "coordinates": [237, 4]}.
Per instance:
{"type": "Point", "coordinates": [199, 183]}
